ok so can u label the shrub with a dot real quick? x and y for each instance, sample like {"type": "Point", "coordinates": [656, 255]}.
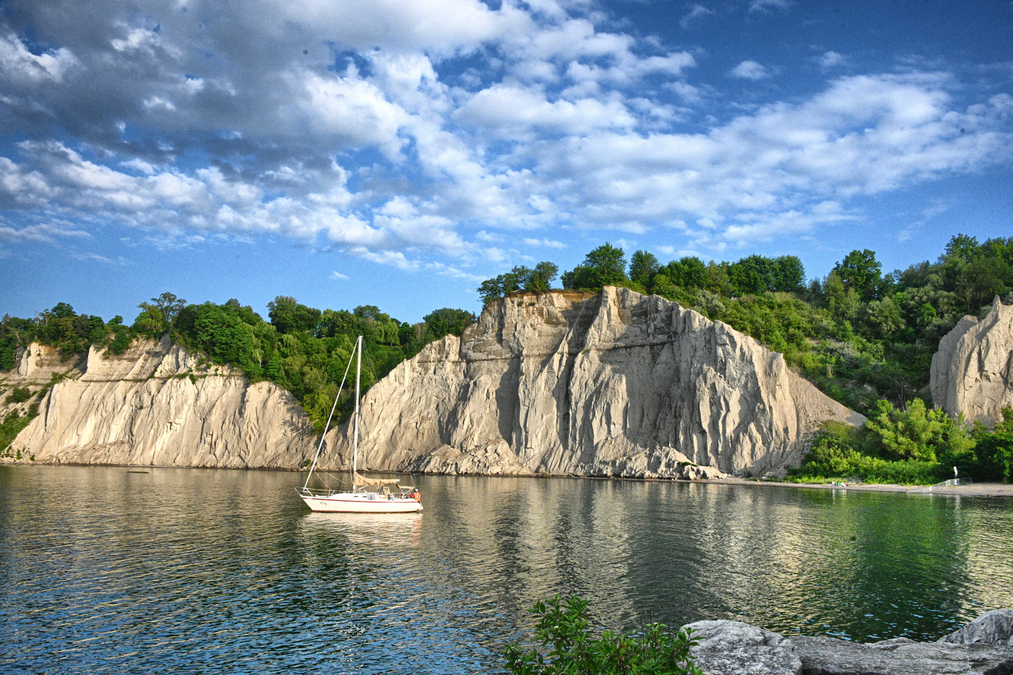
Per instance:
{"type": "Point", "coordinates": [19, 395]}
{"type": "Point", "coordinates": [565, 631]}
{"type": "Point", "coordinates": [915, 432]}
{"type": "Point", "coordinates": [836, 455]}
{"type": "Point", "coordinates": [995, 456]}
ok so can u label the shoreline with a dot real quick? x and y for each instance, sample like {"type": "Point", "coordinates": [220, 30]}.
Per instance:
{"type": "Point", "coordinates": [973, 490]}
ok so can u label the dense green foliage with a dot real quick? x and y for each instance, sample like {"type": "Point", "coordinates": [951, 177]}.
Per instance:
{"type": "Point", "coordinates": [912, 445]}
{"type": "Point", "coordinates": [15, 420]}
{"type": "Point", "coordinates": [571, 647]}
{"type": "Point", "coordinates": [519, 278]}
{"type": "Point", "coordinates": [305, 350]}
{"type": "Point", "coordinates": [11, 426]}
{"type": "Point", "coordinates": [603, 266]}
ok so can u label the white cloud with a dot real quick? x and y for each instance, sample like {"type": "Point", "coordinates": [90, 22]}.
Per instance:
{"type": "Point", "coordinates": [40, 234]}
{"type": "Point", "coordinates": [348, 108]}
{"type": "Point", "coordinates": [767, 5]}
{"type": "Point", "coordinates": [545, 243]}
{"type": "Point", "coordinates": [453, 272]}
{"type": "Point", "coordinates": [750, 70]}
{"type": "Point", "coordinates": [20, 66]}
{"type": "Point", "coordinates": [391, 258]}
{"type": "Point", "coordinates": [101, 259]}
{"type": "Point", "coordinates": [352, 122]}
{"type": "Point", "coordinates": [510, 110]}
{"type": "Point", "coordinates": [752, 227]}
{"type": "Point", "coordinates": [830, 59]}
{"type": "Point", "coordinates": [339, 276]}
{"type": "Point", "coordinates": [695, 12]}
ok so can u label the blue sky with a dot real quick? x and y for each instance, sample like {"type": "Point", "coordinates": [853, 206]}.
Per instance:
{"type": "Point", "coordinates": [398, 152]}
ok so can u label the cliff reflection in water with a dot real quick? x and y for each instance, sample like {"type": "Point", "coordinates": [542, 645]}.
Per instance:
{"type": "Point", "coordinates": [226, 570]}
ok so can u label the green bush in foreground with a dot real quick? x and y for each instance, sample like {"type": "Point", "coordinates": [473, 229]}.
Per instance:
{"type": "Point", "coordinates": [573, 648]}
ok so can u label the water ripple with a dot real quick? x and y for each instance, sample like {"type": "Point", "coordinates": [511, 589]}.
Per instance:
{"type": "Point", "coordinates": [103, 571]}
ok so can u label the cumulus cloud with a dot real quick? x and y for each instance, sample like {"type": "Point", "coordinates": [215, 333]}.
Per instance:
{"type": "Point", "coordinates": [830, 59]}
{"type": "Point", "coordinates": [20, 66]}
{"type": "Point", "coordinates": [405, 130]}
{"type": "Point", "coordinates": [45, 233]}
{"type": "Point", "coordinates": [392, 258]}
{"type": "Point", "coordinates": [750, 70]}
{"type": "Point", "coordinates": [695, 12]}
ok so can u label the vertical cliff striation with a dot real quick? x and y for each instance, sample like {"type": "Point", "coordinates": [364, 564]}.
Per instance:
{"type": "Point", "coordinates": [972, 373]}
{"type": "Point", "coordinates": [157, 405]}
{"type": "Point", "coordinates": [606, 384]}
{"type": "Point", "coordinates": [609, 384]}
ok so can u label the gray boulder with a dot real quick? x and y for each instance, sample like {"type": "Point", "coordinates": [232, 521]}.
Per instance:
{"type": "Point", "coordinates": [993, 628]}
{"type": "Point", "coordinates": [982, 647]}
{"type": "Point", "coordinates": [827, 656]}
{"type": "Point", "coordinates": [736, 648]}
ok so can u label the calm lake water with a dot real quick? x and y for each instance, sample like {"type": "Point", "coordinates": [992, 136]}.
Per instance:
{"type": "Point", "coordinates": [104, 570]}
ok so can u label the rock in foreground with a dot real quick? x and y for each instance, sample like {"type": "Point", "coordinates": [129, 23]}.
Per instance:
{"type": "Point", "coordinates": [983, 647]}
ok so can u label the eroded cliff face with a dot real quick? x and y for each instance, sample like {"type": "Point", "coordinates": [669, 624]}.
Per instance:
{"type": "Point", "coordinates": [156, 405]}
{"type": "Point", "coordinates": [972, 373]}
{"type": "Point", "coordinates": [611, 384]}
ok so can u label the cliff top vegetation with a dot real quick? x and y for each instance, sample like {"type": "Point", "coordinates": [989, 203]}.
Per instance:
{"type": "Point", "coordinates": [863, 337]}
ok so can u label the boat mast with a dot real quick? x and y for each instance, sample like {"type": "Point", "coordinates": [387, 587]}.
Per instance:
{"type": "Point", "coordinates": [355, 433]}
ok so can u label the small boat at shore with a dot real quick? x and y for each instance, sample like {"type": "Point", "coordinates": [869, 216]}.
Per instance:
{"type": "Point", "coordinates": [368, 494]}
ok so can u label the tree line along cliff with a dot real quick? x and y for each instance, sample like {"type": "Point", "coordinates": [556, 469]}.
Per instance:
{"type": "Point", "coordinates": [864, 338]}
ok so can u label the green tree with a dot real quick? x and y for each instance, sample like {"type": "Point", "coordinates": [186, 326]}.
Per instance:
{"type": "Point", "coordinates": [982, 279]}
{"type": "Point", "coordinates": [219, 334]}
{"type": "Point", "coordinates": [151, 321]}
{"type": "Point", "coordinates": [914, 432]}
{"type": "Point", "coordinates": [539, 280]}
{"type": "Point", "coordinates": [753, 274]}
{"type": "Point", "coordinates": [603, 266]}
{"type": "Point", "coordinates": [643, 267]}
{"type": "Point", "coordinates": [609, 263]}
{"type": "Point", "coordinates": [447, 321]}
{"type": "Point", "coordinates": [288, 316]}
{"type": "Point", "coordinates": [862, 272]}
{"type": "Point", "coordinates": [687, 272]}
{"type": "Point", "coordinates": [788, 274]}
{"type": "Point", "coordinates": [962, 247]}
{"type": "Point", "coordinates": [170, 306]}
{"type": "Point", "coordinates": [717, 279]}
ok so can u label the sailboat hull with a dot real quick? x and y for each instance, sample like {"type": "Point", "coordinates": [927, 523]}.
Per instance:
{"type": "Point", "coordinates": [360, 502]}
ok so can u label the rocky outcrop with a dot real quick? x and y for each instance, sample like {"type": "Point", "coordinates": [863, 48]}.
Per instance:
{"type": "Point", "coordinates": [608, 384]}
{"type": "Point", "coordinates": [972, 373]}
{"type": "Point", "coordinates": [983, 647]}
{"type": "Point", "coordinates": [734, 647]}
{"type": "Point", "coordinates": [156, 405]}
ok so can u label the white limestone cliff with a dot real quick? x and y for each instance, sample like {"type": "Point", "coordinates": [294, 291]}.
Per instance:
{"type": "Point", "coordinates": [972, 373]}
{"type": "Point", "coordinates": [609, 384]}
{"type": "Point", "coordinates": [156, 405]}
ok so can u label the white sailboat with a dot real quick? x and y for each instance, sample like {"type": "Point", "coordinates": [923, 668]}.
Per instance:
{"type": "Point", "coordinates": [368, 495]}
